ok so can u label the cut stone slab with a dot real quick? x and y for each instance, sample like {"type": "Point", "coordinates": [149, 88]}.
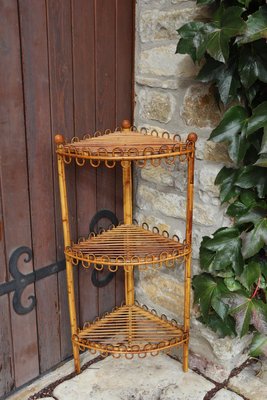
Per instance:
{"type": "Point", "coordinates": [45, 380]}
{"type": "Point", "coordinates": [248, 384]}
{"type": "Point", "coordinates": [151, 378]}
{"type": "Point", "coordinates": [46, 398]}
{"type": "Point", "coordinates": [224, 394]}
{"type": "Point", "coordinates": [216, 357]}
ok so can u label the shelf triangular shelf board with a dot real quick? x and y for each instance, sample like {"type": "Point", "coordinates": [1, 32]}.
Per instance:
{"type": "Point", "coordinates": [126, 145]}
{"type": "Point", "coordinates": [127, 246]}
{"type": "Point", "coordinates": [130, 330]}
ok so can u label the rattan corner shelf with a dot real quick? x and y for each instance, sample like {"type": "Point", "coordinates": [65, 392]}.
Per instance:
{"type": "Point", "coordinates": [132, 328]}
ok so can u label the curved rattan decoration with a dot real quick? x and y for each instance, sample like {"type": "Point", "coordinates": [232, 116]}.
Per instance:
{"type": "Point", "coordinates": [126, 145]}
{"type": "Point", "coordinates": [127, 246]}
{"type": "Point", "coordinates": [130, 330]}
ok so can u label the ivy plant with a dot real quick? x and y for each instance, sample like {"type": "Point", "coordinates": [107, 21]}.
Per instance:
{"type": "Point", "coordinates": [231, 48]}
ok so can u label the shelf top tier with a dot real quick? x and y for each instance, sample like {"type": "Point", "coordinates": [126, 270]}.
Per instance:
{"type": "Point", "coordinates": [125, 143]}
{"type": "Point", "coordinates": [127, 246]}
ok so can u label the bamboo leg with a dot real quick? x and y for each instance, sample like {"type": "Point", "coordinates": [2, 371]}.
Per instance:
{"type": "Point", "coordinates": [187, 288]}
{"type": "Point", "coordinates": [189, 220]}
{"type": "Point", "coordinates": [69, 267]}
{"type": "Point", "coordinates": [128, 215]}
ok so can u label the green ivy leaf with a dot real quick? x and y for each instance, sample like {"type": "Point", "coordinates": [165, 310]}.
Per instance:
{"type": "Point", "coordinates": [236, 209]}
{"type": "Point", "coordinates": [262, 161]}
{"type": "Point", "coordinates": [256, 26]}
{"type": "Point", "coordinates": [228, 273]}
{"type": "Point", "coordinates": [226, 246]}
{"type": "Point", "coordinates": [208, 293]}
{"type": "Point", "coordinates": [224, 174]}
{"type": "Point", "coordinates": [259, 316]}
{"type": "Point", "coordinates": [258, 345]}
{"type": "Point", "coordinates": [186, 43]}
{"type": "Point", "coordinates": [204, 287]}
{"type": "Point", "coordinates": [224, 77]}
{"type": "Point", "coordinates": [248, 197]}
{"type": "Point", "coordinates": [222, 328]}
{"type": "Point", "coordinates": [264, 142]}
{"type": "Point", "coordinates": [234, 121]}
{"type": "Point", "coordinates": [253, 91]}
{"type": "Point", "coordinates": [248, 311]}
{"type": "Point", "coordinates": [255, 240]}
{"type": "Point", "coordinates": [263, 266]}
{"type": "Point", "coordinates": [252, 176]}
{"type": "Point", "coordinates": [241, 310]}
{"type": "Point", "coordinates": [250, 275]}
{"type": "Point", "coordinates": [252, 65]}
{"type": "Point", "coordinates": [253, 214]}
{"type": "Point", "coordinates": [226, 179]}
{"type": "Point", "coordinates": [197, 37]}
{"type": "Point", "coordinates": [244, 2]}
{"type": "Point", "coordinates": [232, 284]}
{"type": "Point", "coordinates": [205, 256]}
{"type": "Point", "coordinates": [226, 24]}
{"type": "Point", "coordinates": [258, 119]}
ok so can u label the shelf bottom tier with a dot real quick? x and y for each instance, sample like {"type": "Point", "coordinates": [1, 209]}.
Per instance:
{"type": "Point", "coordinates": [130, 330]}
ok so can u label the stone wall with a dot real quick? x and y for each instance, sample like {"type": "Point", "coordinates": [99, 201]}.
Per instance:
{"type": "Point", "coordinates": [169, 98]}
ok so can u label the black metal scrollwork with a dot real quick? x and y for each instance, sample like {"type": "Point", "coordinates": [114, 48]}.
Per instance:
{"type": "Point", "coordinates": [21, 281]}
{"type": "Point", "coordinates": [102, 214]}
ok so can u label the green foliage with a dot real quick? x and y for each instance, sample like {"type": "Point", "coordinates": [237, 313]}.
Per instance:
{"type": "Point", "coordinates": [256, 26]}
{"type": "Point", "coordinates": [258, 345]}
{"type": "Point", "coordinates": [231, 48]}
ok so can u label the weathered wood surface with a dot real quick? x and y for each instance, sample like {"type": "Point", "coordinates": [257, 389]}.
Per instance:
{"type": "Point", "coordinates": [62, 120]}
{"type": "Point", "coordinates": [15, 195]}
{"type": "Point", "coordinates": [67, 68]}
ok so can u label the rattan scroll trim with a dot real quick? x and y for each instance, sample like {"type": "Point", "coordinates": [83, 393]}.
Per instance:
{"type": "Point", "coordinates": [130, 330]}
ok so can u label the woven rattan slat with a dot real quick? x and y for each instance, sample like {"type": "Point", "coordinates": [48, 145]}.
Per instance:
{"type": "Point", "coordinates": [138, 332]}
{"type": "Point", "coordinates": [126, 244]}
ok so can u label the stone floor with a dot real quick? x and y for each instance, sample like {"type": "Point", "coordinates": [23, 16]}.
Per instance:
{"type": "Point", "coordinates": [153, 378]}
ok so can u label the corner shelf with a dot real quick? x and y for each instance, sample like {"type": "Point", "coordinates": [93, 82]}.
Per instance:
{"type": "Point", "coordinates": [129, 329]}
{"type": "Point", "coordinates": [127, 245]}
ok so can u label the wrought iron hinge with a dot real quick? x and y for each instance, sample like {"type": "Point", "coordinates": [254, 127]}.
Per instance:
{"type": "Point", "coordinates": [21, 281]}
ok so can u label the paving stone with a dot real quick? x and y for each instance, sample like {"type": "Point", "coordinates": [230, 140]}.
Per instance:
{"type": "Point", "coordinates": [224, 394]}
{"type": "Point", "coordinates": [45, 380]}
{"type": "Point", "coordinates": [46, 398]}
{"type": "Point", "coordinates": [148, 379]}
{"type": "Point", "coordinates": [250, 385]}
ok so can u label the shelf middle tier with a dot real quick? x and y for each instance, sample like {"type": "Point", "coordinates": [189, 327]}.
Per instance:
{"type": "Point", "coordinates": [127, 246]}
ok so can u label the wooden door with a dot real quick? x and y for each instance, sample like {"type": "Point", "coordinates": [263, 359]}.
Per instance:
{"type": "Point", "coordinates": [66, 67]}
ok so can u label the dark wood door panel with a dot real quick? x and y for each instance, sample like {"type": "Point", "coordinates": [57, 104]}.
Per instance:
{"type": "Point", "coordinates": [67, 68]}
{"type": "Point", "coordinates": [15, 197]}
{"type": "Point", "coordinates": [38, 126]}
{"type": "Point", "coordinates": [59, 33]}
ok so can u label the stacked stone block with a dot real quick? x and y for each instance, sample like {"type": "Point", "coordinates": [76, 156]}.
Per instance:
{"type": "Point", "coordinates": [169, 98]}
